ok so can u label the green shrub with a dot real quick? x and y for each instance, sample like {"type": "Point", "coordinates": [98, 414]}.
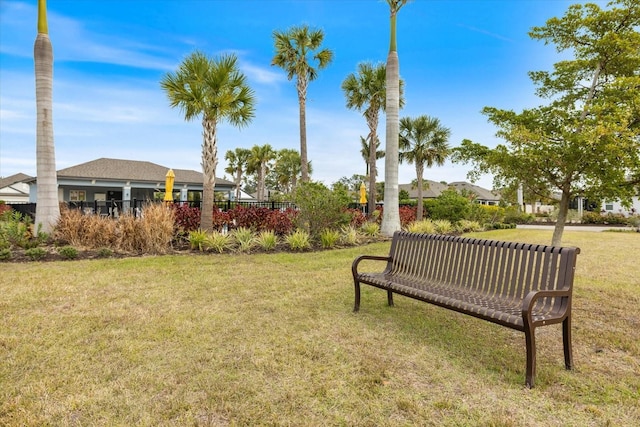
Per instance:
{"type": "Point", "coordinates": [424, 226]}
{"type": "Point", "coordinates": [217, 241]}
{"type": "Point", "coordinates": [14, 229]}
{"type": "Point", "coordinates": [35, 253]}
{"type": "Point", "coordinates": [68, 252]}
{"type": "Point", "coordinates": [466, 226]}
{"type": "Point", "coordinates": [329, 238]}
{"type": "Point", "coordinates": [514, 216]}
{"type": "Point", "coordinates": [320, 208]}
{"type": "Point", "coordinates": [5, 254]}
{"type": "Point", "coordinates": [449, 205]}
{"type": "Point", "coordinates": [105, 253]}
{"type": "Point", "coordinates": [267, 240]}
{"type": "Point", "coordinates": [197, 239]}
{"type": "Point", "coordinates": [298, 241]}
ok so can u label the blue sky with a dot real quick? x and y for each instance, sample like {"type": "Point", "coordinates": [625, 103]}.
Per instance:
{"type": "Point", "coordinates": [456, 56]}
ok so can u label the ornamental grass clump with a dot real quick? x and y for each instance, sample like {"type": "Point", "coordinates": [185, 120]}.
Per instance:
{"type": "Point", "coordinates": [349, 236]}
{"type": "Point", "coordinates": [217, 241]}
{"type": "Point", "coordinates": [299, 240]}
{"type": "Point", "coordinates": [370, 228]}
{"type": "Point", "coordinates": [197, 240]}
{"type": "Point", "coordinates": [424, 226]}
{"type": "Point", "coordinates": [244, 239]}
{"type": "Point", "coordinates": [267, 240]}
{"type": "Point", "coordinates": [329, 238]}
{"type": "Point", "coordinates": [443, 226]}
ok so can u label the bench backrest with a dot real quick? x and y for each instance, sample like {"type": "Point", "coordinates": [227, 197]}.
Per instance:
{"type": "Point", "coordinates": [492, 267]}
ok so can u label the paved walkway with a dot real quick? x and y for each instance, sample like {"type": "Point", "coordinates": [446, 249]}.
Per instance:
{"type": "Point", "coordinates": [569, 227]}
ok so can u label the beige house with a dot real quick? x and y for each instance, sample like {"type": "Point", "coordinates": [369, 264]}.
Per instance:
{"type": "Point", "coordinates": [433, 189]}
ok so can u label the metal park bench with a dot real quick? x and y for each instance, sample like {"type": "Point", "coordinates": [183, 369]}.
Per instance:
{"type": "Point", "coordinates": [517, 285]}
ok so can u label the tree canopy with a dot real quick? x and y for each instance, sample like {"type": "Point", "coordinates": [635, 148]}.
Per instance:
{"type": "Point", "coordinates": [585, 141]}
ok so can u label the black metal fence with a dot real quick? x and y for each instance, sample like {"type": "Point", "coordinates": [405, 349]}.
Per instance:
{"type": "Point", "coordinates": [115, 208]}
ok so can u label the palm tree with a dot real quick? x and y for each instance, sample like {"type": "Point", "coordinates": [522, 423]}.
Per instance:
{"type": "Point", "coordinates": [287, 169]}
{"type": "Point", "coordinates": [237, 162]}
{"type": "Point", "coordinates": [216, 90]}
{"type": "Point", "coordinates": [364, 150]}
{"type": "Point", "coordinates": [391, 217]}
{"type": "Point", "coordinates": [423, 141]}
{"type": "Point", "coordinates": [367, 91]}
{"type": "Point", "coordinates": [258, 164]}
{"type": "Point", "coordinates": [296, 49]}
{"type": "Point", "coordinates": [47, 206]}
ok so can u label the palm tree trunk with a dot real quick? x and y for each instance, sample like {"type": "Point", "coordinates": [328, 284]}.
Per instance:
{"type": "Point", "coordinates": [238, 181]}
{"type": "Point", "coordinates": [372, 121]}
{"type": "Point", "coordinates": [391, 217]}
{"type": "Point", "coordinates": [419, 174]}
{"type": "Point", "coordinates": [47, 204]}
{"type": "Point", "coordinates": [209, 163]}
{"type": "Point", "coordinates": [302, 100]}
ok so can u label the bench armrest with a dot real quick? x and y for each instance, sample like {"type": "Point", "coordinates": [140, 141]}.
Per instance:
{"type": "Point", "coordinates": [532, 297]}
{"type": "Point", "coordinates": [354, 266]}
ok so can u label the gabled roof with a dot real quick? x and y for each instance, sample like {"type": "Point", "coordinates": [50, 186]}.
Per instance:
{"type": "Point", "coordinates": [433, 189]}
{"type": "Point", "coordinates": [10, 180]}
{"type": "Point", "coordinates": [131, 170]}
{"type": "Point", "coordinates": [482, 193]}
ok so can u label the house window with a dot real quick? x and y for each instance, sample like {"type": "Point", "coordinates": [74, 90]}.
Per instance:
{"type": "Point", "coordinates": [608, 207]}
{"type": "Point", "coordinates": [77, 196]}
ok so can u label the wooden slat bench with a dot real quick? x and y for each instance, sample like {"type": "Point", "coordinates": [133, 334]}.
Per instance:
{"type": "Point", "coordinates": [517, 285]}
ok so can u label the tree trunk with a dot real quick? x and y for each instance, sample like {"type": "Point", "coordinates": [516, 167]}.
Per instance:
{"type": "Point", "coordinates": [372, 121]}
{"type": "Point", "coordinates": [556, 240]}
{"type": "Point", "coordinates": [47, 203]}
{"type": "Point", "coordinates": [209, 163]}
{"type": "Point", "coordinates": [302, 100]}
{"type": "Point", "coordinates": [391, 216]}
{"type": "Point", "coordinates": [420, 207]}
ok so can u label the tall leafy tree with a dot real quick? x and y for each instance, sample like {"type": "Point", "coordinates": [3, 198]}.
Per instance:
{"type": "Point", "coordinates": [216, 90]}
{"type": "Point", "coordinates": [366, 92]}
{"type": "Point", "coordinates": [297, 50]}
{"type": "Point", "coordinates": [47, 206]}
{"type": "Point", "coordinates": [586, 140]}
{"type": "Point", "coordinates": [261, 157]}
{"type": "Point", "coordinates": [391, 217]}
{"type": "Point", "coordinates": [237, 162]}
{"type": "Point", "coordinates": [423, 142]}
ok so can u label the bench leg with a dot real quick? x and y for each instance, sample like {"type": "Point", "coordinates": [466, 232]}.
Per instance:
{"type": "Point", "coordinates": [356, 305]}
{"type": "Point", "coordinates": [390, 298]}
{"type": "Point", "coordinates": [566, 341]}
{"type": "Point", "coordinates": [530, 338]}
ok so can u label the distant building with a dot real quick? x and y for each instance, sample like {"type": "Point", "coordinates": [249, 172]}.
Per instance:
{"type": "Point", "coordinates": [116, 179]}
{"type": "Point", "coordinates": [14, 188]}
{"type": "Point", "coordinates": [433, 189]}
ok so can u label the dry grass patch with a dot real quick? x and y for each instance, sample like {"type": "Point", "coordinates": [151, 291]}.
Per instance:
{"type": "Point", "coordinates": [270, 339]}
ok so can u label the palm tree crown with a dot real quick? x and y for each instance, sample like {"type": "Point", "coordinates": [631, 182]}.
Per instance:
{"type": "Point", "coordinates": [296, 50]}
{"type": "Point", "coordinates": [424, 142]}
{"type": "Point", "coordinates": [216, 90]}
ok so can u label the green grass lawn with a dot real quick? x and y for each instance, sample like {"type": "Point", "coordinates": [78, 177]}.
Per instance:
{"type": "Point", "coordinates": [270, 339]}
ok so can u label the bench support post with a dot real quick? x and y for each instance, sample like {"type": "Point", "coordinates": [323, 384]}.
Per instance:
{"type": "Point", "coordinates": [356, 305]}
{"type": "Point", "coordinates": [530, 339]}
{"type": "Point", "coordinates": [566, 341]}
{"type": "Point", "coordinates": [390, 298]}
